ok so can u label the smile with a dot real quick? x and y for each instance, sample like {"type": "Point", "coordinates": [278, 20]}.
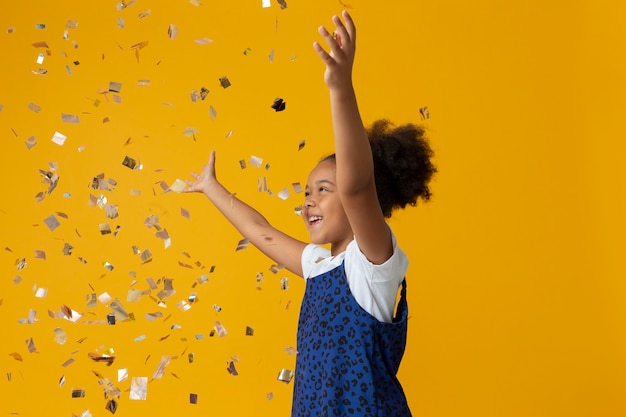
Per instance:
{"type": "Point", "coordinates": [313, 220]}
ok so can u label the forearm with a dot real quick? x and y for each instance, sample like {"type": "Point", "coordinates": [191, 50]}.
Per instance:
{"type": "Point", "coordinates": [280, 247]}
{"type": "Point", "coordinates": [243, 217]}
{"type": "Point", "coordinates": [355, 168]}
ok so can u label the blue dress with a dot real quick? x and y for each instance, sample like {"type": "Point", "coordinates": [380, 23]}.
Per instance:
{"type": "Point", "coordinates": [347, 359]}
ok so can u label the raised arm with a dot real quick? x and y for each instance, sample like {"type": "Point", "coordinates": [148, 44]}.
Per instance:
{"type": "Point", "coordinates": [280, 247]}
{"type": "Point", "coordinates": [355, 167]}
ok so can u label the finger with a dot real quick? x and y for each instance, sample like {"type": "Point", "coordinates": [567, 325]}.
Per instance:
{"type": "Point", "coordinates": [210, 166]}
{"type": "Point", "coordinates": [330, 40]}
{"type": "Point", "coordinates": [340, 30]}
{"type": "Point", "coordinates": [349, 25]}
{"type": "Point", "coordinates": [322, 53]}
{"type": "Point", "coordinates": [190, 187]}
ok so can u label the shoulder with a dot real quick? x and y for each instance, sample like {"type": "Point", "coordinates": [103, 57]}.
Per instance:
{"type": "Point", "coordinates": [392, 270]}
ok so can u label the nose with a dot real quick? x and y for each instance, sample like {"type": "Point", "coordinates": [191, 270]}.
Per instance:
{"type": "Point", "coordinates": [308, 202]}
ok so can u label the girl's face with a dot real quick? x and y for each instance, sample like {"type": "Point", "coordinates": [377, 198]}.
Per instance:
{"type": "Point", "coordinates": [322, 211]}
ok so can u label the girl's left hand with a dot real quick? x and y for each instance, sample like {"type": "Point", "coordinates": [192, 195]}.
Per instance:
{"type": "Point", "coordinates": [342, 45]}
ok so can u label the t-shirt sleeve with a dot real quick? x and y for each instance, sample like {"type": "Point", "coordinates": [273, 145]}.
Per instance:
{"type": "Point", "coordinates": [375, 287]}
{"type": "Point", "coordinates": [392, 270]}
{"type": "Point", "coordinates": [310, 258]}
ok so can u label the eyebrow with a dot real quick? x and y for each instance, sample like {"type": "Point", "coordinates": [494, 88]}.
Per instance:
{"type": "Point", "coordinates": [322, 182]}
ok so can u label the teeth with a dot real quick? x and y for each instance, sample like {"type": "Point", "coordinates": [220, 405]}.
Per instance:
{"type": "Point", "coordinates": [314, 218]}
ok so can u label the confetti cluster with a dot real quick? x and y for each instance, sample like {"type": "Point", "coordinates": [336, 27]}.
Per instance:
{"type": "Point", "coordinates": [122, 297]}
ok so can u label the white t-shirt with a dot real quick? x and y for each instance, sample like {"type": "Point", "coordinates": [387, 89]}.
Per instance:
{"type": "Point", "coordinates": [374, 287]}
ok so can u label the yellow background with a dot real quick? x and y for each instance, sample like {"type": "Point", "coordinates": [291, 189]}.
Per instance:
{"type": "Point", "coordinates": [516, 283]}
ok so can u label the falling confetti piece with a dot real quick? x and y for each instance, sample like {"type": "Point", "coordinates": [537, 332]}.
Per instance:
{"type": "Point", "coordinates": [424, 113]}
{"type": "Point", "coordinates": [16, 356]}
{"type": "Point", "coordinates": [69, 118]}
{"type": "Point", "coordinates": [120, 312]}
{"type": "Point", "coordinates": [78, 392]}
{"type": "Point", "coordinates": [256, 161]}
{"type": "Point", "coordinates": [212, 112]}
{"type": "Point", "coordinates": [122, 375]}
{"type": "Point", "coordinates": [105, 228]}
{"type": "Point", "coordinates": [144, 14]}
{"type": "Point", "coordinates": [204, 41]}
{"type": "Point", "coordinates": [52, 222]}
{"type": "Point", "coordinates": [183, 306]}
{"type": "Point", "coordinates": [115, 87]}
{"type": "Point", "coordinates": [102, 358]}
{"type": "Point", "coordinates": [243, 244]}
{"type": "Point", "coordinates": [178, 186]}
{"type": "Point", "coordinates": [220, 329]}
{"type": "Point", "coordinates": [285, 375]}
{"type": "Point", "coordinates": [139, 388]}
{"type": "Point", "coordinates": [68, 362]}
{"type": "Point", "coordinates": [34, 107]}
{"type": "Point", "coordinates": [60, 337]}
{"type": "Point", "coordinates": [59, 138]}
{"type": "Point", "coordinates": [172, 31]}
{"type": "Point", "coordinates": [193, 398]}
{"type": "Point", "coordinates": [160, 371]}
{"type": "Point", "coordinates": [130, 162]}
{"type": "Point", "coordinates": [279, 104]}
{"type": "Point", "coordinates": [111, 405]}
{"type": "Point", "coordinates": [139, 45]}
{"type": "Point", "coordinates": [283, 194]}
{"type": "Point", "coordinates": [231, 369]}
{"type": "Point", "coordinates": [225, 82]}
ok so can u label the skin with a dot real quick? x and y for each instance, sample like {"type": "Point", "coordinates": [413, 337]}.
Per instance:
{"type": "Point", "coordinates": [323, 212]}
{"type": "Point", "coordinates": [342, 195]}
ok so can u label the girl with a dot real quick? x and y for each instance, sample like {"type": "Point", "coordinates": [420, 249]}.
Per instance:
{"type": "Point", "coordinates": [350, 343]}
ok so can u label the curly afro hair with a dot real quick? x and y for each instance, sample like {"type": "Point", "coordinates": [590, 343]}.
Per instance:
{"type": "Point", "coordinates": [402, 164]}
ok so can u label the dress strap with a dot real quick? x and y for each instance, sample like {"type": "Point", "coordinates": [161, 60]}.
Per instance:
{"type": "Point", "coordinates": [403, 307]}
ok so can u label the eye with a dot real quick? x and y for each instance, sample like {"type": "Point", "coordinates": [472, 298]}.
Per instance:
{"type": "Point", "coordinates": [306, 193]}
{"type": "Point", "coordinates": [323, 189]}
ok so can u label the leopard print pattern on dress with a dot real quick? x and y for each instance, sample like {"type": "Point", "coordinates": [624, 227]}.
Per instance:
{"type": "Point", "coordinates": [347, 359]}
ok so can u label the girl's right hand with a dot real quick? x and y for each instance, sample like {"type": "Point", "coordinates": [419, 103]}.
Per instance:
{"type": "Point", "coordinates": [203, 181]}
{"type": "Point", "coordinates": [341, 50]}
